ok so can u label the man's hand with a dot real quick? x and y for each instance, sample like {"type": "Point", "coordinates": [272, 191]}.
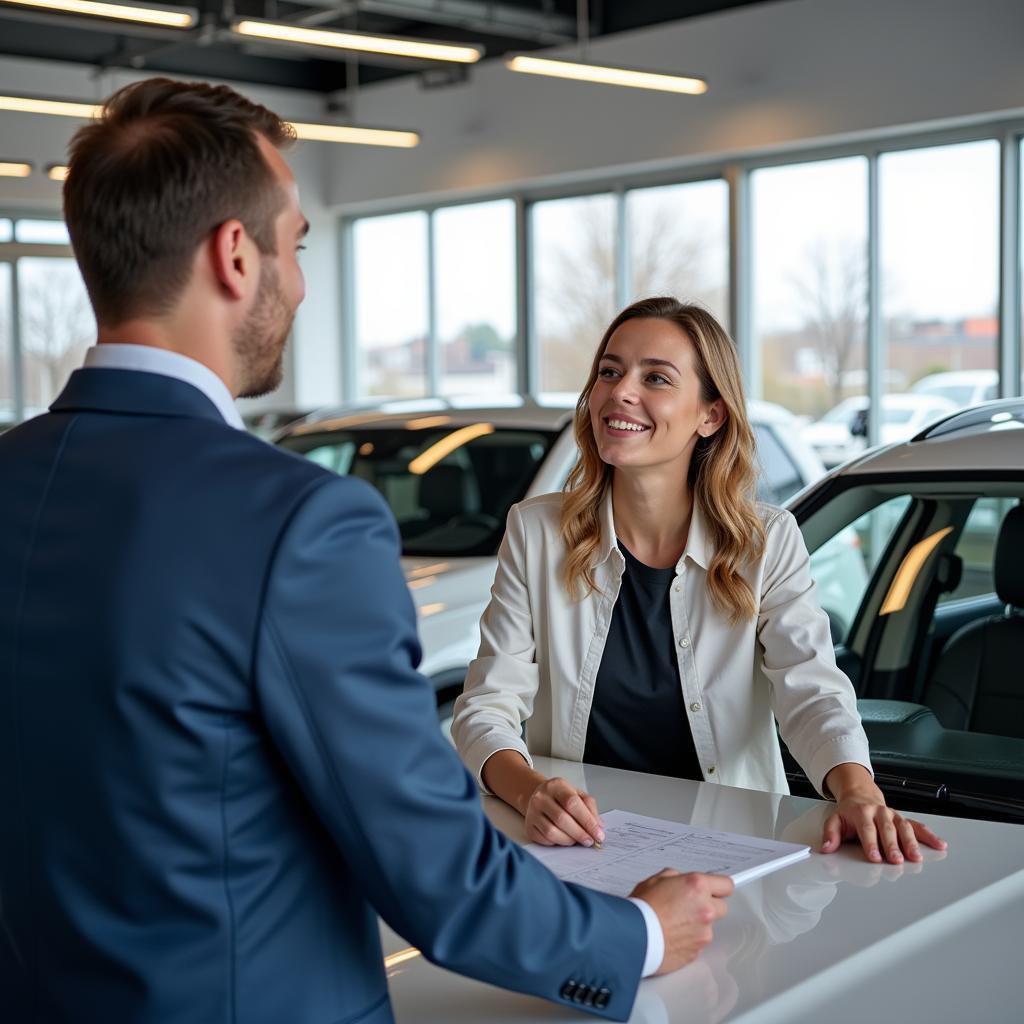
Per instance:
{"type": "Point", "coordinates": [559, 814]}
{"type": "Point", "coordinates": [687, 906]}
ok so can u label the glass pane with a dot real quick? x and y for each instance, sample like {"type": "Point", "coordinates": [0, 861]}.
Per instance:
{"type": "Point", "coordinates": [57, 326]}
{"type": "Point", "coordinates": [391, 315]}
{"type": "Point", "coordinates": [449, 487]}
{"type": "Point", "coordinates": [573, 284]}
{"type": "Point", "coordinates": [842, 566]}
{"type": "Point", "coordinates": [810, 285]}
{"type": "Point", "coordinates": [678, 243]}
{"type": "Point", "coordinates": [475, 280]}
{"type": "Point", "coordinates": [42, 232]}
{"type": "Point", "coordinates": [940, 275]}
{"type": "Point", "coordinates": [6, 230]}
{"type": "Point", "coordinates": [6, 348]}
{"type": "Point", "coordinates": [779, 478]}
{"type": "Point", "coordinates": [976, 547]}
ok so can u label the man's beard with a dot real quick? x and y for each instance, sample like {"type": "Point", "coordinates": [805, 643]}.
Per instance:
{"type": "Point", "coordinates": [259, 342]}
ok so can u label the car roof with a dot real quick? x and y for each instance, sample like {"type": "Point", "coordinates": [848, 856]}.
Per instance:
{"type": "Point", "coordinates": [510, 412]}
{"type": "Point", "coordinates": [551, 411]}
{"type": "Point", "coordinates": [984, 438]}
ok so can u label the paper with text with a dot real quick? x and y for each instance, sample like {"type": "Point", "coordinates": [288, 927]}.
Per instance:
{"type": "Point", "coordinates": [637, 846]}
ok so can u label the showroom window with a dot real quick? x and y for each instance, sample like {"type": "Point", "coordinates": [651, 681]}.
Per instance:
{"type": "Point", "coordinates": [475, 297]}
{"type": "Point", "coordinates": [939, 246]}
{"type": "Point", "coordinates": [46, 321]}
{"type": "Point", "coordinates": [573, 285]}
{"type": "Point", "coordinates": [810, 283]}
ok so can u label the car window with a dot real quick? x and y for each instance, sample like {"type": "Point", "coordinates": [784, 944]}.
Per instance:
{"type": "Point", "coordinates": [779, 478]}
{"type": "Point", "coordinates": [976, 549]}
{"type": "Point", "coordinates": [893, 416]}
{"type": "Point", "coordinates": [842, 566]}
{"type": "Point", "coordinates": [449, 487]}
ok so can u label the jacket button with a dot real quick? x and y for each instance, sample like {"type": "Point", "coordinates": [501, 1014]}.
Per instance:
{"type": "Point", "coordinates": [602, 998]}
{"type": "Point", "coordinates": [711, 770]}
{"type": "Point", "coordinates": [695, 706]}
{"type": "Point", "coordinates": [581, 993]}
{"type": "Point", "coordinates": [568, 989]}
{"type": "Point", "coordinates": [685, 642]}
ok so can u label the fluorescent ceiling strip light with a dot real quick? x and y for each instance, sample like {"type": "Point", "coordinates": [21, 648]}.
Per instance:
{"type": "Point", "coordinates": [359, 41]}
{"type": "Point", "coordinates": [167, 17]}
{"type": "Point", "coordinates": [14, 169]}
{"type": "Point", "coordinates": [61, 108]}
{"type": "Point", "coordinates": [607, 75]}
{"type": "Point", "coordinates": [360, 136]}
{"type": "Point", "coordinates": [310, 132]}
{"type": "Point", "coordinates": [57, 172]}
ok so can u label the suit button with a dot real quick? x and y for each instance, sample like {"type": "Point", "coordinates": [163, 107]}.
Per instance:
{"type": "Point", "coordinates": [591, 996]}
{"type": "Point", "coordinates": [581, 993]}
{"type": "Point", "coordinates": [568, 989]}
{"type": "Point", "coordinates": [602, 998]}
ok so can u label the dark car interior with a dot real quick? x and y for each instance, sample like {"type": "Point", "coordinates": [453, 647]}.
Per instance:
{"type": "Point", "coordinates": [936, 646]}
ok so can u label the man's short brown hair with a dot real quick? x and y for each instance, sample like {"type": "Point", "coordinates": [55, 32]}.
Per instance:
{"type": "Point", "coordinates": [162, 167]}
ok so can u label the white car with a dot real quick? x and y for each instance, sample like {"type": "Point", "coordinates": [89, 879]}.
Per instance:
{"type": "Point", "coordinates": [961, 387]}
{"type": "Point", "coordinates": [840, 434]}
{"type": "Point", "coordinates": [451, 473]}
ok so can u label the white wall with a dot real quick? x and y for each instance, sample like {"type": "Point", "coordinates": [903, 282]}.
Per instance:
{"type": "Point", "coordinates": [313, 370]}
{"type": "Point", "coordinates": [780, 74]}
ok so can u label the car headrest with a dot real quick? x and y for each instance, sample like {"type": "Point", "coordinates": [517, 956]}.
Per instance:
{"type": "Point", "coordinates": [1009, 560]}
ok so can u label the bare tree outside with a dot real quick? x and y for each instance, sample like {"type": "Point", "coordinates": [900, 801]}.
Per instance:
{"type": "Point", "coordinates": [57, 325]}
{"type": "Point", "coordinates": [831, 293]}
{"type": "Point", "coordinates": [575, 277]}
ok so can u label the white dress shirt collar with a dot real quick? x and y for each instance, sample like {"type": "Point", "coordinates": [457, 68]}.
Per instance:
{"type": "Point", "coordinates": [148, 359]}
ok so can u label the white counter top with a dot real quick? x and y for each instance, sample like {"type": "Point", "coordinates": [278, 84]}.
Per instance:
{"type": "Point", "coordinates": [827, 940]}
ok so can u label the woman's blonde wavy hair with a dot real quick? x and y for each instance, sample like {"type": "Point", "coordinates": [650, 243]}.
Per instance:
{"type": "Point", "coordinates": [723, 474]}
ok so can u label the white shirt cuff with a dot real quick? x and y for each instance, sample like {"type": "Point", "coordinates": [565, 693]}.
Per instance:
{"type": "Point", "coordinates": [655, 938]}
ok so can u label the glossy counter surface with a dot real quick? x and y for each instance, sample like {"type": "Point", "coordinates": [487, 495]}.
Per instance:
{"type": "Point", "coordinates": [831, 938]}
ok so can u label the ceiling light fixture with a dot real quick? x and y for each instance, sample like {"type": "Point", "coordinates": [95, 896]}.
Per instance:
{"type": "Point", "coordinates": [165, 17]}
{"type": "Point", "coordinates": [14, 169]}
{"type": "Point", "coordinates": [362, 42]}
{"type": "Point", "coordinates": [352, 134]}
{"type": "Point", "coordinates": [56, 172]}
{"type": "Point", "coordinates": [310, 132]}
{"type": "Point", "coordinates": [584, 70]}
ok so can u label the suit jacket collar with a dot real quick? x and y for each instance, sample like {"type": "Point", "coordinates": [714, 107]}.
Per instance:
{"type": "Point", "coordinates": [133, 392]}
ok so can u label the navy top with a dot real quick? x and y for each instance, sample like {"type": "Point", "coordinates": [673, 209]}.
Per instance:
{"type": "Point", "coordinates": [638, 718]}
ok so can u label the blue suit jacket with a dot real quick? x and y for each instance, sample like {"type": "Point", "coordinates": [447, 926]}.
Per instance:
{"type": "Point", "coordinates": [217, 759]}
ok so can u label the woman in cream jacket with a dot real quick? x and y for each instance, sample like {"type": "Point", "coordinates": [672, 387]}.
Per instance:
{"type": "Point", "coordinates": [655, 617]}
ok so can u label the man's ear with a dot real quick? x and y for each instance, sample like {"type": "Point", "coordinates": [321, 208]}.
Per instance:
{"type": "Point", "coordinates": [713, 419]}
{"type": "Point", "coordinates": [231, 254]}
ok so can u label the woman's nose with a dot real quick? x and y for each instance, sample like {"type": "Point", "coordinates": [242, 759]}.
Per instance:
{"type": "Point", "coordinates": [625, 389]}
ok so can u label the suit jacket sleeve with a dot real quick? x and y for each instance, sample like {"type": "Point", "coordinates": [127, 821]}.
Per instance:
{"type": "Point", "coordinates": [357, 725]}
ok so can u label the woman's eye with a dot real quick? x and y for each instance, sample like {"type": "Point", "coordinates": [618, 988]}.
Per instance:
{"type": "Point", "coordinates": [657, 378]}
{"type": "Point", "coordinates": [606, 371]}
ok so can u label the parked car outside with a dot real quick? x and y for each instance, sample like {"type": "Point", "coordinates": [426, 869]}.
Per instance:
{"type": "Point", "coordinates": [935, 634]}
{"type": "Point", "coordinates": [961, 387]}
{"type": "Point", "coordinates": [451, 473]}
{"type": "Point", "coordinates": [841, 433]}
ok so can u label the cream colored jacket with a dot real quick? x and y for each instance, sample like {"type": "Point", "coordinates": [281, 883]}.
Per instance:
{"type": "Point", "coordinates": [540, 653]}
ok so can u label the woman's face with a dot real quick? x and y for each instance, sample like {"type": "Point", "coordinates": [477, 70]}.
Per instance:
{"type": "Point", "coordinates": [645, 405]}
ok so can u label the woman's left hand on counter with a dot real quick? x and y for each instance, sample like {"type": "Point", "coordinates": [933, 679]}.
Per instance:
{"type": "Point", "coordinates": [861, 813]}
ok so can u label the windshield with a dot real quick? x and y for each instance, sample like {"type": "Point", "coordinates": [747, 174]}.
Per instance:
{"type": "Point", "coordinates": [449, 488]}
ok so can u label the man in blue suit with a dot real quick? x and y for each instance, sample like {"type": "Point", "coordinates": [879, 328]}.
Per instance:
{"type": "Point", "coordinates": [218, 763]}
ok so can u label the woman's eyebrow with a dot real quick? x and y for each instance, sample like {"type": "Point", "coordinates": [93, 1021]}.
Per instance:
{"type": "Point", "coordinates": [643, 362]}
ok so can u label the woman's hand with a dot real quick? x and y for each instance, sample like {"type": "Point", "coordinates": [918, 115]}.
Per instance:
{"type": "Point", "coordinates": [559, 814]}
{"type": "Point", "coordinates": [861, 813]}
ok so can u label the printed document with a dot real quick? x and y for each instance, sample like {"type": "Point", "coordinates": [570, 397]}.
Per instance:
{"type": "Point", "coordinates": [636, 847]}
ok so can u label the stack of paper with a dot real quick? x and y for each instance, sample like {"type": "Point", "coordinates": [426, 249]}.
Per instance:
{"type": "Point", "coordinates": [636, 847]}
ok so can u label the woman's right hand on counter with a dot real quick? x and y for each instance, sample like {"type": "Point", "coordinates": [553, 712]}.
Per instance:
{"type": "Point", "coordinates": [559, 814]}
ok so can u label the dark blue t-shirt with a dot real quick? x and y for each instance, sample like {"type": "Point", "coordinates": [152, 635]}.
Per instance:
{"type": "Point", "coordinates": [638, 719]}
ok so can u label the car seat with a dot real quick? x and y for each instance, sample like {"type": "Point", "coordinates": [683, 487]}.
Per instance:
{"type": "Point", "coordinates": [977, 685]}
